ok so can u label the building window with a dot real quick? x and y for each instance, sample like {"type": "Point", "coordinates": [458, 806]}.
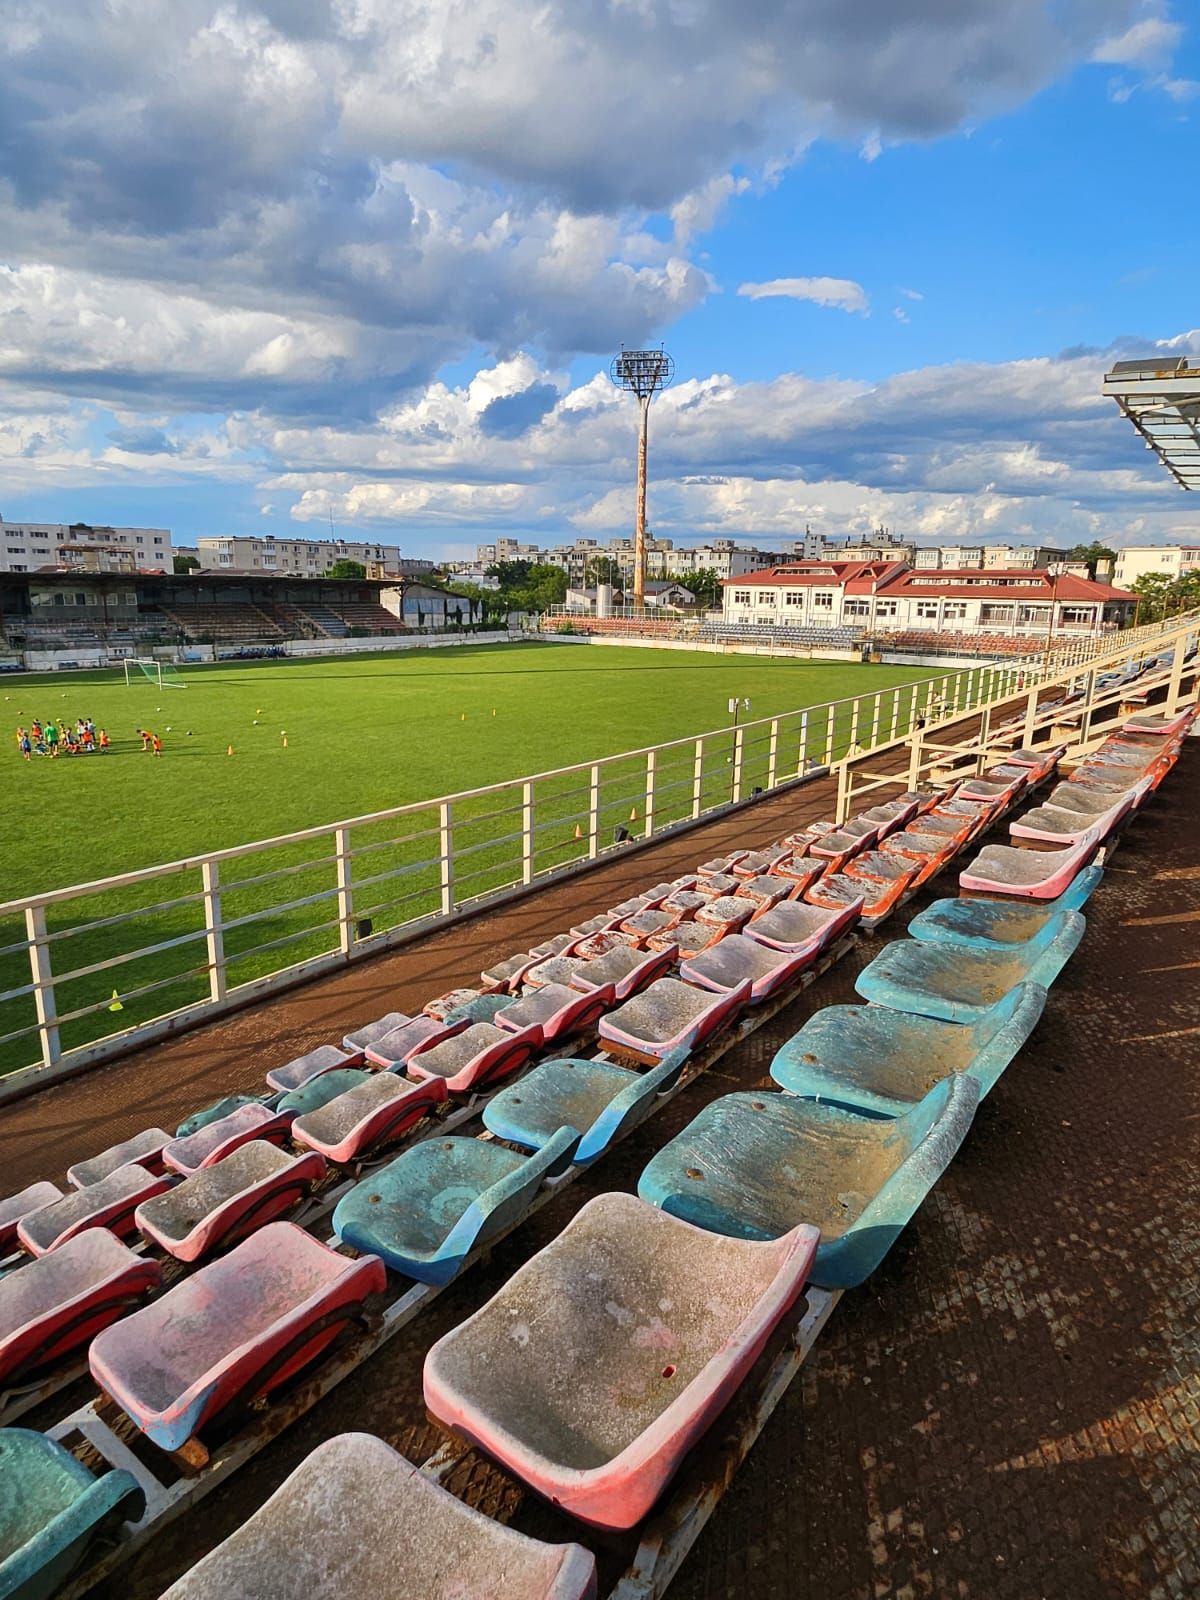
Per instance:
{"type": "Point", "coordinates": [885, 608]}
{"type": "Point", "coordinates": [954, 611]}
{"type": "Point", "coordinates": [793, 597]}
{"type": "Point", "coordinates": [767, 597]}
{"type": "Point", "coordinates": [1078, 613]}
{"type": "Point", "coordinates": [741, 597]}
{"type": "Point", "coordinates": [927, 610]}
{"type": "Point", "coordinates": [857, 608]}
{"type": "Point", "coordinates": [822, 599]}
{"type": "Point", "coordinates": [994, 614]}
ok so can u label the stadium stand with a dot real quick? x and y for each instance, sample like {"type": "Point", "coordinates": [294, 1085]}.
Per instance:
{"type": "Point", "coordinates": [369, 617]}
{"type": "Point", "coordinates": [237, 622]}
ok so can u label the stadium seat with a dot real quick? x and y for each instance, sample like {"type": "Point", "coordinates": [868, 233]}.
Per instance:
{"type": "Point", "coordinates": [998, 924]}
{"type": "Point", "coordinates": [484, 1007]}
{"type": "Point", "coordinates": [555, 969]}
{"type": "Point", "coordinates": [876, 897]}
{"type": "Point", "coordinates": [367, 1117]}
{"type": "Point", "coordinates": [799, 871]}
{"type": "Point", "coordinates": [55, 1304]}
{"type": "Point", "coordinates": [756, 862]}
{"type": "Point", "coordinates": [764, 890]}
{"type": "Point", "coordinates": [882, 1062]}
{"type": "Point", "coordinates": [837, 847]}
{"type": "Point", "coordinates": [1002, 788]}
{"type": "Point", "coordinates": [404, 1528]}
{"type": "Point", "coordinates": [319, 1091]}
{"type": "Point", "coordinates": [444, 1004]}
{"type": "Point", "coordinates": [598, 1097]}
{"type": "Point", "coordinates": [959, 983]}
{"type": "Point", "coordinates": [295, 1074]}
{"type": "Point", "coordinates": [728, 912]}
{"type": "Point", "coordinates": [1027, 874]}
{"type": "Point", "coordinates": [754, 1166]}
{"type": "Point", "coordinates": [625, 969]}
{"type": "Point", "coordinates": [1148, 726]}
{"type": "Point", "coordinates": [216, 1140]}
{"type": "Point", "coordinates": [480, 1055]}
{"type": "Point", "coordinates": [1057, 825]}
{"type": "Point", "coordinates": [144, 1148]}
{"type": "Point", "coordinates": [16, 1206]}
{"type": "Point", "coordinates": [356, 1043]}
{"type": "Point", "coordinates": [531, 1376]}
{"type": "Point", "coordinates": [736, 960]}
{"type": "Point", "coordinates": [220, 1204]}
{"type": "Point", "coordinates": [797, 928]}
{"type": "Point", "coordinates": [52, 1510]}
{"type": "Point", "coordinates": [599, 944]}
{"type": "Point", "coordinates": [218, 1110]}
{"type": "Point", "coordinates": [394, 1050]}
{"type": "Point", "coordinates": [232, 1331]}
{"type": "Point", "coordinates": [891, 815]}
{"type": "Point", "coordinates": [720, 865]}
{"type": "Point", "coordinates": [108, 1204]}
{"type": "Point", "coordinates": [716, 884]}
{"type": "Point", "coordinates": [668, 1016]}
{"type": "Point", "coordinates": [426, 1211]}
{"type": "Point", "coordinates": [684, 903]}
{"type": "Point", "coordinates": [555, 1009]}
{"type": "Point", "coordinates": [685, 938]}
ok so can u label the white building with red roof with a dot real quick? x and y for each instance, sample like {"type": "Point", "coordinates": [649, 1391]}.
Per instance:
{"type": "Point", "coordinates": [890, 597]}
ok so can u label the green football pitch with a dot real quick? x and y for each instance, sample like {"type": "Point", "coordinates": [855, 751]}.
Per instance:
{"type": "Point", "coordinates": [362, 734]}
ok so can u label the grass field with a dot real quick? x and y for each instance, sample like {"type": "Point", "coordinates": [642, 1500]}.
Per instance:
{"type": "Point", "coordinates": [362, 735]}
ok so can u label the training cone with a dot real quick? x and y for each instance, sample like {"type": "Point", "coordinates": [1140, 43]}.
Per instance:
{"type": "Point", "coordinates": [285, 743]}
{"type": "Point", "coordinates": [462, 716]}
{"type": "Point", "coordinates": [229, 750]}
{"type": "Point", "coordinates": [578, 831]}
{"type": "Point", "coordinates": [493, 711]}
{"type": "Point", "coordinates": [116, 1002]}
{"type": "Point", "coordinates": [633, 813]}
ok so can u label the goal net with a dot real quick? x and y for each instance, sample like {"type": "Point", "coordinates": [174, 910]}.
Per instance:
{"type": "Point", "coordinates": [160, 673]}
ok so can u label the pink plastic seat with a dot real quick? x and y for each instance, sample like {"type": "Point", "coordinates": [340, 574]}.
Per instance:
{"type": "Point", "coordinates": [764, 890]}
{"type": "Point", "coordinates": [599, 944]}
{"type": "Point", "coordinates": [108, 1204]}
{"type": "Point", "coordinates": [799, 871]}
{"type": "Point", "coordinates": [684, 903]}
{"type": "Point", "coordinates": [481, 1054]}
{"type": "Point", "coordinates": [555, 969]}
{"type": "Point", "coordinates": [602, 1361]}
{"type": "Point", "coordinates": [557, 1010]}
{"type": "Point", "coordinates": [295, 1074]}
{"type": "Point", "coordinates": [797, 928]}
{"type": "Point", "coordinates": [686, 938]}
{"type": "Point", "coordinates": [394, 1050]}
{"type": "Point", "coordinates": [735, 959]}
{"type": "Point", "coordinates": [368, 1117]}
{"type": "Point", "coordinates": [670, 1015]}
{"type": "Point", "coordinates": [216, 1140]}
{"type": "Point", "coordinates": [146, 1149]}
{"type": "Point", "coordinates": [1027, 874]}
{"type": "Point", "coordinates": [235, 1330]}
{"type": "Point", "coordinates": [721, 865]}
{"type": "Point", "coordinates": [643, 923]}
{"type": "Point", "coordinates": [56, 1304]}
{"type": "Point", "coordinates": [16, 1206]}
{"type": "Point", "coordinates": [756, 862]}
{"type": "Point", "coordinates": [217, 1205]}
{"type": "Point", "coordinates": [357, 1041]}
{"type": "Point", "coordinates": [624, 969]}
{"type": "Point", "coordinates": [727, 911]}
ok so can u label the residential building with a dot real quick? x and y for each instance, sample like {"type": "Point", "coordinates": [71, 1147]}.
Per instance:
{"type": "Point", "coordinates": [487, 555]}
{"type": "Point", "coordinates": [45, 546]}
{"type": "Point", "coordinates": [296, 558]}
{"type": "Point", "coordinates": [1155, 560]}
{"type": "Point", "coordinates": [990, 557]}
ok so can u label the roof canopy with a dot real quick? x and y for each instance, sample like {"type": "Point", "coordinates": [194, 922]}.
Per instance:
{"type": "Point", "coordinates": [1161, 397]}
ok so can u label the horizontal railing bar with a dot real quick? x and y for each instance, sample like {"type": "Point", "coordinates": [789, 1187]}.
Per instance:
{"type": "Point", "coordinates": [276, 944]}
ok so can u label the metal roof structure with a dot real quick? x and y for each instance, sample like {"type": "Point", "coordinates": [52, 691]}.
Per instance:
{"type": "Point", "coordinates": [1161, 397]}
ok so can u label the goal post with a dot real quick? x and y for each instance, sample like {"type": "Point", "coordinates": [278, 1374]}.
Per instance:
{"type": "Point", "coordinates": [162, 674]}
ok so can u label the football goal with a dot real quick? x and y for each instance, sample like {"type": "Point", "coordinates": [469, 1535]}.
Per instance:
{"type": "Point", "coordinates": [160, 673]}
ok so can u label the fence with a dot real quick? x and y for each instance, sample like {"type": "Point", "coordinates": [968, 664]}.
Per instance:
{"type": "Point", "coordinates": [92, 970]}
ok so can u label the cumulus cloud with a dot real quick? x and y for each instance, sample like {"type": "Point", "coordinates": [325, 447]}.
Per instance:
{"type": "Point", "coordinates": [843, 293]}
{"type": "Point", "coordinates": [1148, 43]}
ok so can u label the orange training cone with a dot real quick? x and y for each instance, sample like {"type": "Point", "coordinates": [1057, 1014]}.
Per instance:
{"type": "Point", "coordinates": [578, 831]}
{"type": "Point", "coordinates": [285, 741]}
{"type": "Point", "coordinates": [229, 750]}
{"type": "Point", "coordinates": [633, 813]}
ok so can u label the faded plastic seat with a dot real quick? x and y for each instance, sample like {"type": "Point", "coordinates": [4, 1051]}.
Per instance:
{"type": "Point", "coordinates": [889, 816]}
{"type": "Point", "coordinates": [426, 1211]}
{"type": "Point", "coordinates": [643, 923]}
{"type": "Point", "coordinates": [798, 928]}
{"type": "Point", "coordinates": [56, 1304]}
{"type": "Point", "coordinates": [220, 1204]}
{"type": "Point", "coordinates": [394, 1050]}
{"type": "Point", "coordinates": [993, 788]}
{"type": "Point", "coordinates": [624, 969]}
{"type": "Point", "coordinates": [295, 1074]}
{"type": "Point", "coordinates": [764, 890]}
{"type": "Point", "coordinates": [600, 1098]}
{"type": "Point", "coordinates": [960, 984]}
{"type": "Point", "coordinates": [443, 1005]}
{"type": "Point", "coordinates": [684, 903]}
{"type": "Point", "coordinates": [320, 1091]}
{"type": "Point", "coordinates": [144, 1148]}
{"type": "Point", "coordinates": [599, 944]}
{"type": "Point", "coordinates": [356, 1043]}
{"type": "Point", "coordinates": [738, 960]}
{"type": "Point", "coordinates": [685, 939]}
{"type": "Point", "coordinates": [484, 1008]}
{"type": "Point", "coordinates": [217, 1110]}
{"type": "Point", "coordinates": [216, 1140]}
{"type": "Point", "coordinates": [1085, 798]}
{"type": "Point", "coordinates": [480, 1055]}
{"type": "Point", "coordinates": [876, 898]}
{"type": "Point", "coordinates": [555, 969]}
{"type": "Point", "coordinates": [720, 883]}
{"type": "Point", "coordinates": [558, 1011]}
{"type": "Point", "coordinates": [52, 1510]}
{"type": "Point", "coordinates": [727, 911]}
{"type": "Point", "coordinates": [920, 845]}
{"type": "Point", "coordinates": [1147, 726]}
{"type": "Point", "coordinates": [756, 862]}
{"type": "Point", "coordinates": [109, 1204]}
{"type": "Point", "coordinates": [627, 1302]}
{"type": "Point", "coordinates": [835, 848]}
{"type": "Point", "coordinates": [1027, 874]}
{"type": "Point", "coordinates": [998, 924]}
{"type": "Point", "coordinates": [234, 1330]}
{"type": "Point", "coordinates": [1056, 825]}
{"type": "Point", "coordinates": [16, 1206]}
{"type": "Point", "coordinates": [754, 1166]}
{"type": "Point", "coordinates": [882, 1062]}
{"type": "Point", "coordinates": [721, 865]}
{"type": "Point", "coordinates": [798, 871]}
{"type": "Point", "coordinates": [424, 1543]}
{"type": "Point", "coordinates": [367, 1117]}
{"type": "Point", "coordinates": [1040, 762]}
{"type": "Point", "coordinates": [668, 1016]}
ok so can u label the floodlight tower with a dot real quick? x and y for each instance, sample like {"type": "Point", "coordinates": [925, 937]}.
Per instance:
{"type": "Point", "coordinates": [644, 373]}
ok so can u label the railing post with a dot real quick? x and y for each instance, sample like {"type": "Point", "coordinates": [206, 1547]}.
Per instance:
{"type": "Point", "coordinates": [698, 778]}
{"type": "Point", "coordinates": [594, 813]}
{"type": "Point", "coordinates": [1031, 705]}
{"type": "Point", "coordinates": [345, 891]}
{"type": "Point", "coordinates": [739, 740]}
{"type": "Point", "coordinates": [894, 728]}
{"type": "Point", "coordinates": [875, 721]}
{"type": "Point", "coordinates": [43, 980]}
{"type": "Point", "coordinates": [446, 845]}
{"type": "Point", "coordinates": [854, 710]}
{"type": "Point", "coordinates": [1089, 695]}
{"type": "Point", "coordinates": [214, 932]}
{"type": "Point", "coordinates": [914, 762]}
{"type": "Point", "coordinates": [844, 790]}
{"type": "Point", "coordinates": [651, 759]}
{"type": "Point", "coordinates": [772, 752]}
{"type": "Point", "coordinates": [985, 729]}
{"type": "Point", "coordinates": [1176, 673]}
{"type": "Point", "coordinates": [829, 720]}
{"type": "Point", "coordinates": [526, 833]}
{"type": "Point", "coordinates": [913, 713]}
{"type": "Point", "coordinates": [802, 759]}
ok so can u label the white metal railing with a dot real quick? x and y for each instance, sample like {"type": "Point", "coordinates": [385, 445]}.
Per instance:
{"type": "Point", "coordinates": [91, 970]}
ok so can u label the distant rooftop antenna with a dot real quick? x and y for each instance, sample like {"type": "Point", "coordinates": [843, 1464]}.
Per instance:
{"type": "Point", "coordinates": [644, 373]}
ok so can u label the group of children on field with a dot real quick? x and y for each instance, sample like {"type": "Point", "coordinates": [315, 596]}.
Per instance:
{"type": "Point", "coordinates": [49, 738]}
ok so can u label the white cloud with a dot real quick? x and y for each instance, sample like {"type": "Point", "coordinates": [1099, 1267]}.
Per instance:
{"type": "Point", "coordinates": [900, 314]}
{"type": "Point", "coordinates": [843, 293]}
{"type": "Point", "coordinates": [911, 294]}
{"type": "Point", "coordinates": [1149, 43]}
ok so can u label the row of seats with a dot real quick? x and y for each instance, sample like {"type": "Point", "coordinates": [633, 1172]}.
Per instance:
{"type": "Point", "coordinates": [276, 1300]}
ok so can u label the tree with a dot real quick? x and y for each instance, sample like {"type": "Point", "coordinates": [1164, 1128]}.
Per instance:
{"type": "Point", "coordinates": [603, 569]}
{"type": "Point", "coordinates": [1093, 554]}
{"type": "Point", "coordinates": [347, 569]}
{"type": "Point", "coordinates": [182, 565]}
{"type": "Point", "coordinates": [529, 586]}
{"type": "Point", "coordinates": [705, 584]}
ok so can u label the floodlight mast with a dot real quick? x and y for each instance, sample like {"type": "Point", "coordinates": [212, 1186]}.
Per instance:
{"type": "Point", "coordinates": [644, 373]}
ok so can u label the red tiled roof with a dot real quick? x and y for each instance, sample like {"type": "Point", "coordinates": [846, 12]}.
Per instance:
{"type": "Point", "coordinates": [895, 578]}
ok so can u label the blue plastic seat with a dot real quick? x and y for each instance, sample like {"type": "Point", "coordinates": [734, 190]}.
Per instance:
{"type": "Point", "coordinates": [433, 1205]}
{"type": "Point", "coordinates": [998, 924]}
{"type": "Point", "coordinates": [882, 1062]}
{"type": "Point", "coordinates": [319, 1091]}
{"type": "Point", "coordinates": [755, 1165]}
{"type": "Point", "coordinates": [599, 1097]}
{"type": "Point", "coordinates": [51, 1509]}
{"type": "Point", "coordinates": [219, 1109]}
{"type": "Point", "coordinates": [961, 984]}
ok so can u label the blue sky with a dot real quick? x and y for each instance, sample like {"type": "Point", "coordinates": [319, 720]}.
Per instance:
{"type": "Point", "coordinates": [368, 260]}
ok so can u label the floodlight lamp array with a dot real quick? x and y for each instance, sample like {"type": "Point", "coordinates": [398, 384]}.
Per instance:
{"type": "Point", "coordinates": [643, 372]}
